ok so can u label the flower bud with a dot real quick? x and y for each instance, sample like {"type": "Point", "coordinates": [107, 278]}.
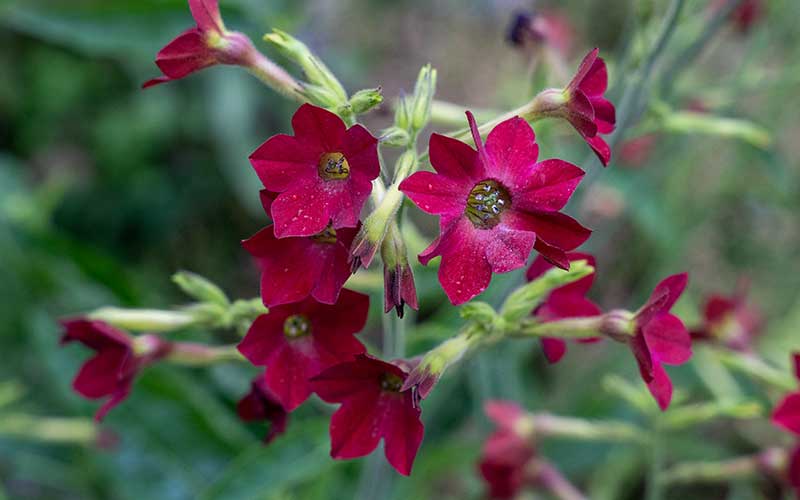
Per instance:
{"type": "Point", "coordinates": [200, 288]}
{"type": "Point", "coordinates": [364, 100]}
{"type": "Point", "coordinates": [374, 228]}
{"type": "Point", "coordinates": [424, 91]}
{"type": "Point", "coordinates": [433, 364]}
{"type": "Point", "coordinates": [315, 70]}
{"type": "Point", "coordinates": [321, 96]}
{"type": "Point", "coordinates": [140, 320]}
{"type": "Point", "coordinates": [618, 324]}
{"type": "Point", "coordinates": [398, 279]}
{"type": "Point", "coordinates": [479, 312]}
{"type": "Point", "coordinates": [402, 113]}
{"type": "Point", "coordinates": [395, 136]}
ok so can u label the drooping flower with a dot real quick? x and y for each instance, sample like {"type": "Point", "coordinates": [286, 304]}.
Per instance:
{"type": "Point", "coordinates": [398, 279]}
{"type": "Point", "coordinates": [568, 301]}
{"type": "Point", "coordinates": [207, 44]}
{"type": "Point", "coordinates": [261, 404]}
{"type": "Point", "coordinates": [322, 173]}
{"type": "Point", "coordinates": [508, 452]}
{"type": "Point", "coordinates": [118, 359]}
{"type": "Point", "coordinates": [295, 267]}
{"type": "Point", "coordinates": [372, 408]}
{"type": "Point", "coordinates": [588, 110]}
{"type": "Point", "coordinates": [297, 341]}
{"type": "Point", "coordinates": [660, 337]}
{"type": "Point", "coordinates": [495, 204]}
{"type": "Point", "coordinates": [730, 321]}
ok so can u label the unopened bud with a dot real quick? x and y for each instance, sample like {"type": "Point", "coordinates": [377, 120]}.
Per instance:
{"type": "Point", "coordinates": [364, 100]}
{"type": "Point", "coordinates": [395, 136]}
{"type": "Point", "coordinates": [322, 96]}
{"type": "Point", "coordinates": [424, 91]}
{"type": "Point", "coordinates": [402, 113]}
{"type": "Point", "coordinates": [200, 288]}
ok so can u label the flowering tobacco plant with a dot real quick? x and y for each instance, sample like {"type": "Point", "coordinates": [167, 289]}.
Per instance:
{"type": "Point", "coordinates": [118, 359]}
{"type": "Point", "coordinates": [496, 205]}
{"type": "Point", "coordinates": [336, 206]}
{"type": "Point", "coordinates": [297, 341]}
{"type": "Point", "coordinates": [373, 406]}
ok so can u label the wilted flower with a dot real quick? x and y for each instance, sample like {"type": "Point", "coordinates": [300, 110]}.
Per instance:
{"type": "Point", "coordinates": [568, 301]}
{"type": "Point", "coordinates": [495, 204]}
{"type": "Point", "coordinates": [398, 279]}
{"type": "Point", "coordinates": [205, 45]}
{"type": "Point", "coordinates": [295, 267]}
{"type": "Point", "coordinates": [372, 407]}
{"type": "Point", "coordinates": [297, 341]}
{"type": "Point", "coordinates": [261, 404]}
{"type": "Point", "coordinates": [322, 173]}
{"type": "Point", "coordinates": [118, 359]}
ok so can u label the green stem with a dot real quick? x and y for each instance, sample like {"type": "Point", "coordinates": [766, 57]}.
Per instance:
{"type": "Point", "coordinates": [194, 354]}
{"type": "Point", "coordinates": [753, 366]}
{"type": "Point", "coordinates": [715, 472]}
{"type": "Point", "coordinates": [275, 77]}
{"type": "Point", "coordinates": [571, 328]}
{"type": "Point", "coordinates": [544, 424]}
{"type": "Point", "coordinates": [654, 484]}
{"type": "Point", "coordinates": [553, 481]}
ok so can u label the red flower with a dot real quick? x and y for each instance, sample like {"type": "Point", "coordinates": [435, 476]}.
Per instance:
{"type": "Point", "coordinates": [297, 341]}
{"type": "Point", "coordinates": [568, 301]}
{"type": "Point", "coordinates": [205, 45]}
{"type": "Point", "coordinates": [262, 404]}
{"type": "Point", "coordinates": [787, 413]}
{"type": "Point", "coordinates": [496, 204]}
{"type": "Point", "coordinates": [110, 373]}
{"type": "Point", "coordinates": [660, 337]}
{"type": "Point", "coordinates": [587, 110]}
{"type": "Point", "coordinates": [294, 268]}
{"type": "Point", "coordinates": [322, 173]}
{"type": "Point", "coordinates": [372, 408]}
{"type": "Point", "coordinates": [507, 452]}
{"type": "Point", "coordinates": [729, 320]}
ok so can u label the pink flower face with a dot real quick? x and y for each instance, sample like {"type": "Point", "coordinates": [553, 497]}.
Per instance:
{"type": "Point", "coordinates": [495, 204]}
{"type": "Point", "coordinates": [110, 373]}
{"type": "Point", "coordinates": [297, 341]}
{"type": "Point", "coordinates": [588, 111]}
{"type": "Point", "coordinates": [372, 407]}
{"type": "Point", "coordinates": [295, 267]}
{"type": "Point", "coordinates": [205, 45]}
{"type": "Point", "coordinates": [729, 320]}
{"type": "Point", "coordinates": [660, 337]}
{"type": "Point", "coordinates": [568, 301]}
{"type": "Point", "coordinates": [322, 173]}
{"type": "Point", "coordinates": [506, 453]}
{"type": "Point", "coordinates": [261, 404]}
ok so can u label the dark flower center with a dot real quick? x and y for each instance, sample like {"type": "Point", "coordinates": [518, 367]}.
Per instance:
{"type": "Point", "coordinates": [333, 166]}
{"type": "Point", "coordinates": [391, 382]}
{"type": "Point", "coordinates": [296, 326]}
{"type": "Point", "coordinates": [328, 235]}
{"type": "Point", "coordinates": [487, 200]}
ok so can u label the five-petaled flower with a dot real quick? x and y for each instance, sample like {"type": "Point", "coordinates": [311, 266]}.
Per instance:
{"type": "Point", "coordinates": [261, 404]}
{"type": "Point", "coordinates": [205, 45]}
{"type": "Point", "coordinates": [568, 301]}
{"type": "Point", "coordinates": [660, 337]}
{"type": "Point", "coordinates": [373, 407]}
{"type": "Point", "coordinates": [787, 416]}
{"type": "Point", "coordinates": [508, 452]}
{"type": "Point", "coordinates": [587, 110]}
{"type": "Point", "coordinates": [322, 173]}
{"type": "Point", "coordinates": [293, 268]}
{"type": "Point", "coordinates": [495, 204]}
{"type": "Point", "coordinates": [118, 359]}
{"type": "Point", "coordinates": [297, 341]}
{"type": "Point", "coordinates": [730, 321]}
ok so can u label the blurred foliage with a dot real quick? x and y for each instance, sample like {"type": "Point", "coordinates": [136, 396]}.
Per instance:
{"type": "Point", "coordinates": [106, 190]}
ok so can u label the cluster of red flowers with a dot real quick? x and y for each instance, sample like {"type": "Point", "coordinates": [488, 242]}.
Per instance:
{"type": "Point", "coordinates": [787, 416]}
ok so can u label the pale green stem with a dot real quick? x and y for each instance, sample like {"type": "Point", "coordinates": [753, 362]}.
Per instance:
{"type": "Point", "coordinates": [753, 366]}
{"type": "Point", "coordinates": [552, 480]}
{"type": "Point", "coordinates": [543, 424]}
{"type": "Point", "coordinates": [275, 77]}
{"type": "Point", "coordinates": [194, 354]}
{"type": "Point", "coordinates": [571, 328]}
{"type": "Point", "coordinates": [144, 320]}
{"type": "Point", "coordinates": [49, 429]}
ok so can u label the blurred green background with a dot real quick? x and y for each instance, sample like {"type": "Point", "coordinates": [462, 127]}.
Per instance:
{"type": "Point", "coordinates": [106, 190]}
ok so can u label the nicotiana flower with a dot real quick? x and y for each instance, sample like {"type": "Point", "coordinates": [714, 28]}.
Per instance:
{"type": "Point", "coordinates": [322, 173]}
{"type": "Point", "coordinates": [293, 268]}
{"type": "Point", "coordinates": [730, 321]}
{"type": "Point", "coordinates": [261, 404]}
{"type": "Point", "coordinates": [372, 407]}
{"type": "Point", "coordinates": [495, 204]}
{"type": "Point", "coordinates": [508, 452]}
{"type": "Point", "coordinates": [659, 337]}
{"type": "Point", "coordinates": [205, 45]}
{"type": "Point", "coordinates": [787, 416]}
{"type": "Point", "coordinates": [118, 359]}
{"type": "Point", "coordinates": [297, 341]}
{"type": "Point", "coordinates": [398, 279]}
{"type": "Point", "coordinates": [568, 301]}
